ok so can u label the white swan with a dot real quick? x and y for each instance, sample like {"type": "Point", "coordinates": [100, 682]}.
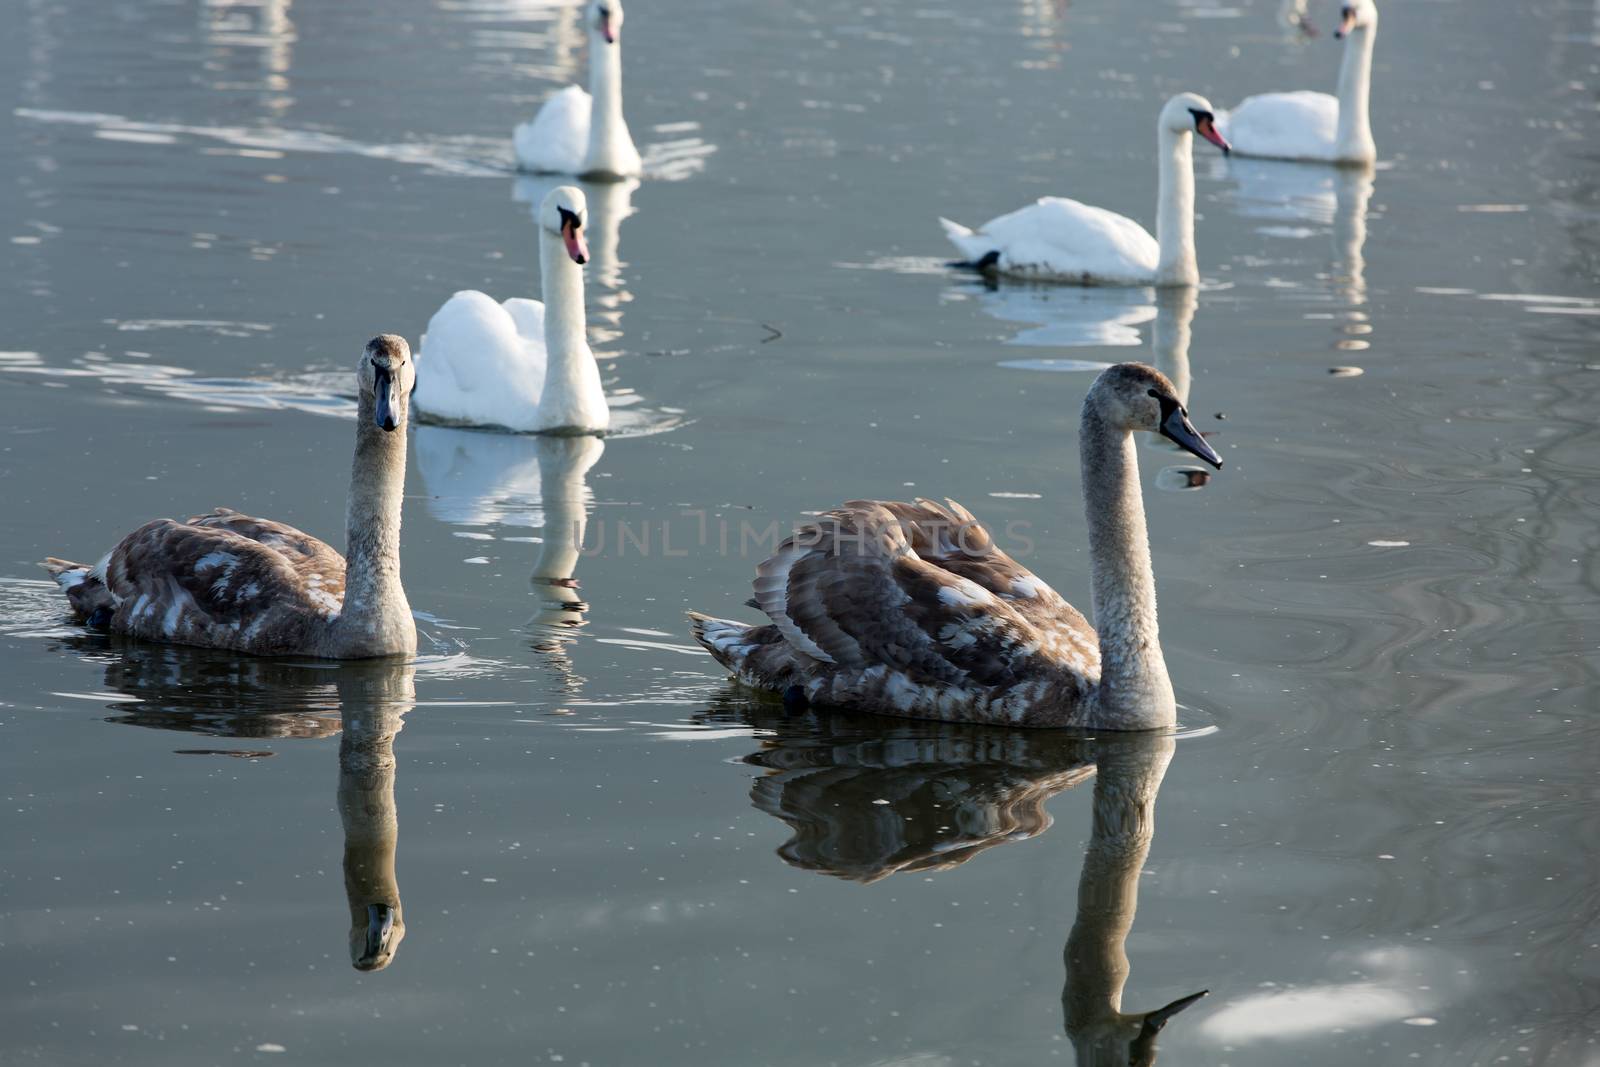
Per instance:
{"type": "Point", "coordinates": [225, 580]}
{"type": "Point", "coordinates": [576, 133]}
{"type": "Point", "coordinates": [1311, 126]}
{"type": "Point", "coordinates": [913, 610]}
{"type": "Point", "coordinates": [1062, 240]}
{"type": "Point", "coordinates": [520, 365]}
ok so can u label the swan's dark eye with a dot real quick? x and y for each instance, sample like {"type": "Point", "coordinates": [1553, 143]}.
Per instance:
{"type": "Point", "coordinates": [568, 218]}
{"type": "Point", "coordinates": [1155, 394]}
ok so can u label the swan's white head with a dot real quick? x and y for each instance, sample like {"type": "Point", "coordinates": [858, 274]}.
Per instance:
{"type": "Point", "coordinates": [1133, 396]}
{"type": "Point", "coordinates": [565, 214]}
{"type": "Point", "coordinates": [1192, 113]}
{"type": "Point", "coordinates": [605, 18]}
{"type": "Point", "coordinates": [1356, 15]}
{"type": "Point", "coordinates": [387, 374]}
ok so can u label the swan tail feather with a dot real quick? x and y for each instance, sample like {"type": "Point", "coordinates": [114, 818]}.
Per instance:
{"type": "Point", "coordinates": [727, 641]}
{"type": "Point", "coordinates": [977, 248]}
{"type": "Point", "coordinates": [756, 655]}
{"type": "Point", "coordinates": [86, 593]}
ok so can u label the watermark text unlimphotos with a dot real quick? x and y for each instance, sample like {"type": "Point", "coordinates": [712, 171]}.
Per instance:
{"type": "Point", "coordinates": [698, 531]}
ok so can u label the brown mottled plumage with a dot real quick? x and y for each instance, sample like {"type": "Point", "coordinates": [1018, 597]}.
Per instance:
{"type": "Point", "coordinates": [226, 580]}
{"type": "Point", "coordinates": [912, 610]}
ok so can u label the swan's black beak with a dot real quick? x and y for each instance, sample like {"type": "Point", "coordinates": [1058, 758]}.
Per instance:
{"type": "Point", "coordinates": [1176, 427]}
{"type": "Point", "coordinates": [380, 927]}
{"type": "Point", "coordinates": [1347, 22]}
{"type": "Point", "coordinates": [384, 410]}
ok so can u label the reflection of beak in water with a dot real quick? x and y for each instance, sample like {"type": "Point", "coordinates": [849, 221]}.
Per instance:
{"type": "Point", "coordinates": [371, 706]}
{"type": "Point", "coordinates": [609, 203]}
{"type": "Point", "coordinates": [867, 798]}
{"type": "Point", "coordinates": [1182, 479]}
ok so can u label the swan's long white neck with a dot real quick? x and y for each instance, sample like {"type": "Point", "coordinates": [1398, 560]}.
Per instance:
{"type": "Point", "coordinates": [1353, 141]}
{"type": "Point", "coordinates": [572, 397]}
{"type": "Point", "coordinates": [1175, 210]}
{"type": "Point", "coordinates": [376, 617]}
{"type": "Point", "coordinates": [611, 148]}
{"type": "Point", "coordinates": [1134, 691]}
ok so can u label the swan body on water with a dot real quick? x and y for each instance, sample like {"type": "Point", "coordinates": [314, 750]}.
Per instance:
{"type": "Point", "coordinates": [226, 580]}
{"type": "Point", "coordinates": [584, 133]}
{"type": "Point", "coordinates": [1061, 240]}
{"type": "Point", "coordinates": [1315, 127]}
{"type": "Point", "coordinates": [520, 365]}
{"type": "Point", "coordinates": [912, 610]}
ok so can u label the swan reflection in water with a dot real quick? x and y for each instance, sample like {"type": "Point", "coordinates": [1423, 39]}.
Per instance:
{"type": "Point", "coordinates": [954, 791]}
{"type": "Point", "coordinates": [1068, 316]}
{"type": "Point", "coordinates": [1288, 196]}
{"type": "Point", "coordinates": [480, 480]}
{"type": "Point", "coordinates": [220, 694]}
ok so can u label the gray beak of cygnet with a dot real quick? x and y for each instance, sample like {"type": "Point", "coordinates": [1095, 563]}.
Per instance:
{"type": "Point", "coordinates": [1177, 428]}
{"type": "Point", "coordinates": [384, 412]}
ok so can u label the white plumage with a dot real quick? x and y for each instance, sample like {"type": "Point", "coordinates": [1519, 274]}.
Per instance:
{"type": "Point", "coordinates": [579, 133]}
{"type": "Point", "coordinates": [1061, 240]}
{"type": "Point", "coordinates": [1315, 127]}
{"type": "Point", "coordinates": [520, 364]}
{"type": "Point", "coordinates": [557, 140]}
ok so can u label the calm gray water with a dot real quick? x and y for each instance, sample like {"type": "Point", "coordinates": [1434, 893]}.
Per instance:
{"type": "Point", "coordinates": [1375, 840]}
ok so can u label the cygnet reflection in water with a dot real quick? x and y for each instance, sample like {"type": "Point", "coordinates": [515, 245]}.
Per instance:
{"type": "Point", "coordinates": [203, 691]}
{"type": "Point", "coordinates": [868, 797]}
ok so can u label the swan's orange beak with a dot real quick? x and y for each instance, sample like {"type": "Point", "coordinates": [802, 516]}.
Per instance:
{"type": "Point", "coordinates": [577, 247]}
{"type": "Point", "coordinates": [605, 28]}
{"type": "Point", "coordinates": [1206, 127]}
{"type": "Point", "coordinates": [1347, 22]}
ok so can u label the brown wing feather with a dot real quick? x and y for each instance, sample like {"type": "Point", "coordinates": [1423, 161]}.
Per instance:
{"type": "Point", "coordinates": [875, 583]}
{"type": "Point", "coordinates": [311, 558]}
{"type": "Point", "coordinates": [965, 547]}
{"type": "Point", "coordinates": [203, 583]}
